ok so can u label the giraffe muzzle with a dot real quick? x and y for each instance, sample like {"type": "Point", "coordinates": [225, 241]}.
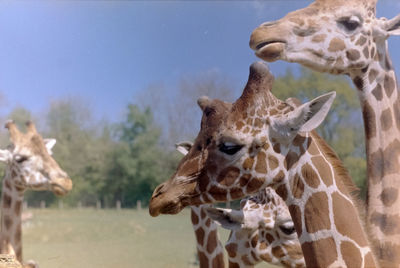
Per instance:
{"type": "Point", "coordinates": [61, 186]}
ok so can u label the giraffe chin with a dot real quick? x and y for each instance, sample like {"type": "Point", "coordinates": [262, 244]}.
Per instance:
{"type": "Point", "coordinates": [271, 51]}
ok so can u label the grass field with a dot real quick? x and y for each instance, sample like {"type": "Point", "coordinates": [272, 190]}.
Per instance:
{"type": "Point", "coordinates": [108, 238]}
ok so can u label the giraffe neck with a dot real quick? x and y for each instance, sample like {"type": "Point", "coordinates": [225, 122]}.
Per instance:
{"type": "Point", "coordinates": [380, 104]}
{"type": "Point", "coordinates": [209, 248]}
{"type": "Point", "coordinates": [11, 209]}
{"type": "Point", "coordinates": [323, 212]}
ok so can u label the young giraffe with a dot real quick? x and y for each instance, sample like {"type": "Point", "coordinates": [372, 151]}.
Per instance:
{"type": "Point", "coordinates": [262, 230]}
{"type": "Point", "coordinates": [29, 165]}
{"type": "Point", "coordinates": [260, 141]}
{"type": "Point", "coordinates": [345, 37]}
{"type": "Point", "coordinates": [209, 247]}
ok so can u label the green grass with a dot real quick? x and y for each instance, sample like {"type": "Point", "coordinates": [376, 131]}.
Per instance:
{"type": "Point", "coordinates": [109, 238]}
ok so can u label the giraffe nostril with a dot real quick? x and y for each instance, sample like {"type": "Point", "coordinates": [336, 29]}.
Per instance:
{"type": "Point", "coordinates": [158, 190]}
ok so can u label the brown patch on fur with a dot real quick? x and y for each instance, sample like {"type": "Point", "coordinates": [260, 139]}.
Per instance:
{"type": "Point", "coordinates": [218, 261]}
{"type": "Point", "coordinates": [282, 191]}
{"type": "Point", "coordinates": [369, 120]}
{"type": "Point", "coordinates": [316, 213]}
{"type": "Point", "coordinates": [17, 207]}
{"type": "Point", "coordinates": [351, 254]}
{"type": "Point", "coordinates": [279, 177]}
{"type": "Point", "coordinates": [353, 54]}
{"type": "Point", "coordinates": [386, 223]}
{"type": "Point", "coordinates": [258, 123]}
{"type": "Point", "coordinates": [202, 257]}
{"type": "Point", "coordinates": [212, 241]}
{"type": "Point", "coordinates": [324, 169]}
{"type": "Point", "coordinates": [377, 92]}
{"type": "Point", "coordinates": [261, 166]}
{"type": "Point", "coordinates": [236, 193]}
{"type": "Point", "coordinates": [254, 185]}
{"type": "Point", "coordinates": [295, 212]}
{"type": "Point", "coordinates": [372, 75]}
{"type": "Point", "coordinates": [297, 186]}
{"type": "Point", "coordinates": [239, 125]}
{"type": "Point", "coordinates": [361, 41]}
{"type": "Point", "coordinates": [194, 217]}
{"type": "Point", "coordinates": [231, 248]}
{"type": "Point", "coordinates": [272, 162]}
{"type": "Point", "coordinates": [366, 52]}
{"type": "Point", "coordinates": [200, 235]}
{"type": "Point", "coordinates": [7, 184]}
{"type": "Point", "coordinates": [277, 148]}
{"type": "Point", "coordinates": [359, 83]}
{"type": "Point", "coordinates": [386, 119]}
{"type": "Point", "coordinates": [320, 253]}
{"type": "Point", "coordinates": [310, 176]}
{"type": "Point", "coordinates": [244, 179]}
{"type": "Point", "coordinates": [7, 221]}
{"type": "Point", "coordinates": [389, 85]}
{"type": "Point", "coordinates": [6, 200]}
{"type": "Point", "coordinates": [346, 219]}
{"type": "Point", "coordinates": [204, 182]}
{"type": "Point", "coordinates": [228, 176]}
{"type": "Point", "coordinates": [277, 252]}
{"type": "Point", "coordinates": [318, 38]}
{"type": "Point", "coordinates": [254, 241]}
{"type": "Point", "coordinates": [266, 257]}
{"type": "Point", "coordinates": [389, 196]}
{"type": "Point", "coordinates": [369, 260]}
{"type": "Point", "coordinates": [291, 159]}
{"type": "Point", "coordinates": [248, 163]}
{"type": "Point", "coordinates": [336, 44]}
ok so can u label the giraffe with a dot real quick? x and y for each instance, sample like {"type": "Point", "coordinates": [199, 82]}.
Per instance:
{"type": "Point", "coordinates": [262, 223]}
{"type": "Point", "coordinates": [260, 141]}
{"type": "Point", "coordinates": [262, 230]}
{"type": "Point", "coordinates": [29, 165]}
{"type": "Point", "coordinates": [345, 37]}
{"type": "Point", "coordinates": [208, 245]}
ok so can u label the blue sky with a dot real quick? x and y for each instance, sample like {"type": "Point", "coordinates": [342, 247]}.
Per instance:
{"type": "Point", "coordinates": [106, 51]}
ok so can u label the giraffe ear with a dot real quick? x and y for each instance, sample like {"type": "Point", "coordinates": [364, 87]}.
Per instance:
{"type": "Point", "coordinates": [5, 155]}
{"type": "Point", "coordinates": [304, 118]}
{"type": "Point", "coordinates": [49, 143]}
{"type": "Point", "coordinates": [392, 26]}
{"type": "Point", "coordinates": [227, 218]}
{"type": "Point", "coordinates": [184, 147]}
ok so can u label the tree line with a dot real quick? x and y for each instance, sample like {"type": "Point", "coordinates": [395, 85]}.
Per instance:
{"type": "Point", "coordinates": [126, 160]}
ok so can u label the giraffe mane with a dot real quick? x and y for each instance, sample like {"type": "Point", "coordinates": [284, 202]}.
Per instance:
{"type": "Point", "coordinates": [352, 190]}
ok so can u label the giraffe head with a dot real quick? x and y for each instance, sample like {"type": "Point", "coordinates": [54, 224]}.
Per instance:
{"type": "Point", "coordinates": [240, 147]}
{"type": "Point", "coordinates": [30, 163]}
{"type": "Point", "coordinates": [328, 36]}
{"type": "Point", "coordinates": [262, 230]}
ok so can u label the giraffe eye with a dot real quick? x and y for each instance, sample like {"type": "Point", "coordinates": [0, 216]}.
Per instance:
{"type": "Point", "coordinates": [287, 229]}
{"type": "Point", "coordinates": [351, 23]}
{"type": "Point", "coordinates": [20, 158]}
{"type": "Point", "coordinates": [230, 148]}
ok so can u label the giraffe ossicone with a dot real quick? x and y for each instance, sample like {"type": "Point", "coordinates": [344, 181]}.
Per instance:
{"type": "Point", "coordinates": [345, 37]}
{"type": "Point", "coordinates": [262, 230]}
{"type": "Point", "coordinates": [29, 165]}
{"type": "Point", "coordinates": [258, 141]}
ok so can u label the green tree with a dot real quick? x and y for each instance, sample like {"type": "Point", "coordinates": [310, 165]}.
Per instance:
{"type": "Point", "coordinates": [138, 163]}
